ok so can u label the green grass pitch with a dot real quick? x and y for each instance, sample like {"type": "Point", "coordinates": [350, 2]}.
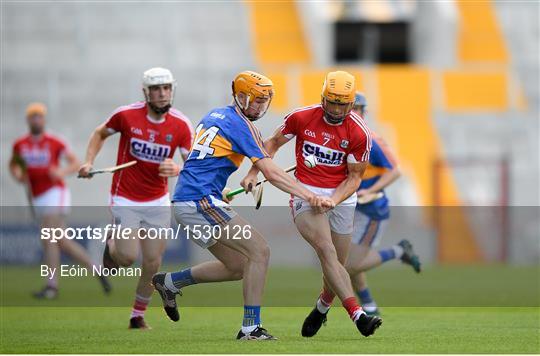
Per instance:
{"type": "Point", "coordinates": [444, 310]}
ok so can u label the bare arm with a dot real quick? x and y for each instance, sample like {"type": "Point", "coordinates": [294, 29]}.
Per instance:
{"type": "Point", "coordinates": [388, 177]}
{"type": "Point", "coordinates": [169, 168]}
{"type": "Point", "coordinates": [16, 168]}
{"type": "Point", "coordinates": [71, 167]}
{"type": "Point", "coordinates": [98, 137]}
{"type": "Point", "coordinates": [277, 177]}
{"type": "Point", "coordinates": [384, 181]}
{"type": "Point", "coordinates": [271, 145]}
{"type": "Point", "coordinates": [274, 142]}
{"type": "Point", "coordinates": [351, 183]}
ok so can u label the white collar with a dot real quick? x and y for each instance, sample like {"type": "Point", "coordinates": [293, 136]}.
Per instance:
{"type": "Point", "coordinates": [154, 121]}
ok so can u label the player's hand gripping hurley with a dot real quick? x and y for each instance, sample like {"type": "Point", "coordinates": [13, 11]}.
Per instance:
{"type": "Point", "coordinates": [368, 198]}
{"type": "Point", "coordinates": [109, 169]}
{"type": "Point", "coordinates": [257, 190]}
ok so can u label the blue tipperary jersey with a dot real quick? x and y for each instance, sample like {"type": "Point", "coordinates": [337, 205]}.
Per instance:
{"type": "Point", "coordinates": [381, 161]}
{"type": "Point", "coordinates": [222, 139]}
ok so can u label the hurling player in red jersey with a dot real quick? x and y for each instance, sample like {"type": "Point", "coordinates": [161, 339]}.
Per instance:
{"type": "Point", "coordinates": [340, 143]}
{"type": "Point", "coordinates": [150, 131]}
{"type": "Point", "coordinates": [36, 163]}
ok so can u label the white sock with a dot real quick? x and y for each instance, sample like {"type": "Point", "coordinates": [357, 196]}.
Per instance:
{"type": "Point", "coordinates": [169, 283]}
{"type": "Point", "coordinates": [398, 250]}
{"type": "Point", "coordinates": [322, 307]}
{"type": "Point", "coordinates": [370, 307]}
{"type": "Point", "coordinates": [357, 314]}
{"type": "Point", "coordinates": [248, 329]}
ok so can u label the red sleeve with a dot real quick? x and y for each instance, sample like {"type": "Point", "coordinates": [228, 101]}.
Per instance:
{"type": "Point", "coordinates": [289, 127]}
{"type": "Point", "coordinates": [361, 143]}
{"type": "Point", "coordinates": [362, 149]}
{"type": "Point", "coordinates": [186, 137]}
{"type": "Point", "coordinates": [115, 121]}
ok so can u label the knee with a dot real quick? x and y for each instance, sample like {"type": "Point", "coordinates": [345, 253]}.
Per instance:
{"type": "Point", "coordinates": [351, 269]}
{"type": "Point", "coordinates": [151, 264]}
{"type": "Point", "coordinates": [237, 273]}
{"type": "Point", "coordinates": [237, 269]}
{"type": "Point", "coordinates": [125, 259]}
{"type": "Point", "coordinates": [325, 250]}
{"type": "Point", "coordinates": [261, 254]}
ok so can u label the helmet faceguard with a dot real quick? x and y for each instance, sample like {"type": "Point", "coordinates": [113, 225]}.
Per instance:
{"type": "Point", "coordinates": [252, 93]}
{"type": "Point", "coordinates": [335, 112]}
{"type": "Point", "coordinates": [158, 76]}
{"type": "Point", "coordinates": [337, 96]}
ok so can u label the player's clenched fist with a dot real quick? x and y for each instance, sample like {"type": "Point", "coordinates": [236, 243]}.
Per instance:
{"type": "Point", "coordinates": [321, 204]}
{"type": "Point", "coordinates": [56, 173]}
{"type": "Point", "coordinates": [84, 171]}
{"type": "Point", "coordinates": [249, 182]}
{"type": "Point", "coordinates": [224, 196]}
{"type": "Point", "coordinates": [168, 168]}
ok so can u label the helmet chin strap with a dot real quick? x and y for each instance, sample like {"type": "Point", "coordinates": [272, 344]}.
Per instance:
{"type": "Point", "coordinates": [240, 109]}
{"type": "Point", "coordinates": [331, 120]}
{"type": "Point", "coordinates": [159, 111]}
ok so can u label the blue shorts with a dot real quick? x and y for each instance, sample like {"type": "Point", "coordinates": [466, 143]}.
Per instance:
{"type": "Point", "coordinates": [209, 211]}
{"type": "Point", "coordinates": [366, 230]}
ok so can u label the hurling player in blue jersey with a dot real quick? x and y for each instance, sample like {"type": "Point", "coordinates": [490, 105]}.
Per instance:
{"type": "Point", "coordinates": [222, 139]}
{"type": "Point", "coordinates": [370, 219]}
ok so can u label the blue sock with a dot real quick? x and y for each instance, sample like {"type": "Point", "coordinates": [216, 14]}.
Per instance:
{"type": "Point", "coordinates": [252, 315]}
{"type": "Point", "coordinates": [182, 278]}
{"type": "Point", "coordinates": [387, 255]}
{"type": "Point", "coordinates": [365, 296]}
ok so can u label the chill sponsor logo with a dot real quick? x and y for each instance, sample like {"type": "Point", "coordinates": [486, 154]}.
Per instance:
{"type": "Point", "coordinates": [325, 156]}
{"type": "Point", "coordinates": [36, 157]}
{"type": "Point", "coordinates": [149, 151]}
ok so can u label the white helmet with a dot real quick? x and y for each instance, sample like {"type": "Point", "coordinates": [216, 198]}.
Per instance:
{"type": "Point", "coordinates": [158, 76]}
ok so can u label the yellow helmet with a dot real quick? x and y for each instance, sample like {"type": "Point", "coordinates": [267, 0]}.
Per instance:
{"type": "Point", "coordinates": [338, 88]}
{"type": "Point", "coordinates": [252, 85]}
{"type": "Point", "coordinates": [36, 109]}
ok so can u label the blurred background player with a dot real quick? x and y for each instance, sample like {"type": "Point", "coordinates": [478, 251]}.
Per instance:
{"type": "Point", "coordinates": [222, 139]}
{"type": "Point", "coordinates": [150, 131]}
{"type": "Point", "coordinates": [370, 219]}
{"type": "Point", "coordinates": [36, 162]}
{"type": "Point", "coordinates": [341, 142]}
